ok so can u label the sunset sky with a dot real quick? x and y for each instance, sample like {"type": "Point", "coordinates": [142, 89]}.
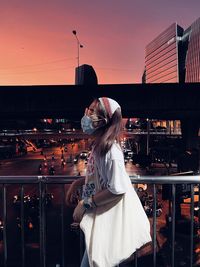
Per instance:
{"type": "Point", "coordinates": [37, 45]}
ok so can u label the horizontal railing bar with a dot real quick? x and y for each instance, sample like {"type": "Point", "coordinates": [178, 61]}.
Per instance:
{"type": "Point", "coordinates": [18, 179]}
{"type": "Point", "coordinates": [191, 179]}
{"type": "Point", "coordinates": [60, 179]}
{"type": "Point", "coordinates": [36, 179]}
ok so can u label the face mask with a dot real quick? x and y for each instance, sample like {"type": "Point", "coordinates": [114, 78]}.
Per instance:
{"type": "Point", "coordinates": [86, 124]}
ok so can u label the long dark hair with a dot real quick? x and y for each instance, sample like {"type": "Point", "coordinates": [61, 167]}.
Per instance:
{"type": "Point", "coordinates": [110, 130]}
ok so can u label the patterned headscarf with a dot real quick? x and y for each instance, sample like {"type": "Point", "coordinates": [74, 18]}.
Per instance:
{"type": "Point", "coordinates": [109, 106]}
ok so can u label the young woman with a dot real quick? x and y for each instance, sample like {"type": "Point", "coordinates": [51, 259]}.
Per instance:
{"type": "Point", "coordinates": [110, 212]}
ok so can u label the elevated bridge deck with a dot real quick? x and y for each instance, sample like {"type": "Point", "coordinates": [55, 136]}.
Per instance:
{"type": "Point", "coordinates": [157, 101]}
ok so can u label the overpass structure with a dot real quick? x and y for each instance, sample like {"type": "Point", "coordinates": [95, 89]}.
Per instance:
{"type": "Point", "coordinates": [154, 101]}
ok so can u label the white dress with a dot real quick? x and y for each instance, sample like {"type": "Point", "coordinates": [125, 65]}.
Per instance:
{"type": "Point", "coordinates": [113, 232]}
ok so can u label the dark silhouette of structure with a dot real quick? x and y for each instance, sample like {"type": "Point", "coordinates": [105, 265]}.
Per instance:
{"type": "Point", "coordinates": [85, 75]}
{"type": "Point", "coordinates": [153, 101]}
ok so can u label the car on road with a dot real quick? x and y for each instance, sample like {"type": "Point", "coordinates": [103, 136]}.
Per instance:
{"type": "Point", "coordinates": [83, 155]}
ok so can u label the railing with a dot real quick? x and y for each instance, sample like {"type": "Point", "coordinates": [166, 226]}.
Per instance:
{"type": "Point", "coordinates": [43, 181]}
{"type": "Point", "coordinates": [172, 180]}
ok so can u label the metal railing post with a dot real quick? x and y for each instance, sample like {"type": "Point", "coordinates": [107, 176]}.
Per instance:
{"type": "Point", "coordinates": [63, 224]}
{"type": "Point", "coordinates": [22, 225]}
{"type": "Point", "coordinates": [192, 225]}
{"type": "Point", "coordinates": [5, 226]}
{"type": "Point", "coordinates": [173, 221]}
{"type": "Point", "coordinates": [135, 258]}
{"type": "Point", "coordinates": [154, 225]}
{"type": "Point", "coordinates": [42, 190]}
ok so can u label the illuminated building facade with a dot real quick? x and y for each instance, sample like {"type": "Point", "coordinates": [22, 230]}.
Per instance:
{"type": "Point", "coordinates": [174, 55]}
{"type": "Point", "coordinates": [192, 62]}
{"type": "Point", "coordinates": [162, 56]}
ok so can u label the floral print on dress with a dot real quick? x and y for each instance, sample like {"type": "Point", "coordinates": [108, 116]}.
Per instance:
{"type": "Point", "coordinates": [88, 190]}
{"type": "Point", "coordinates": [89, 187]}
{"type": "Point", "coordinates": [90, 165]}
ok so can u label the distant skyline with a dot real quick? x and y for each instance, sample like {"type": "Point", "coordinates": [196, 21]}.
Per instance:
{"type": "Point", "coordinates": [37, 45]}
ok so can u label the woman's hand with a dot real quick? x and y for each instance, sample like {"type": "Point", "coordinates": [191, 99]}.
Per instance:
{"type": "Point", "coordinates": [79, 212]}
{"type": "Point", "coordinates": [72, 195]}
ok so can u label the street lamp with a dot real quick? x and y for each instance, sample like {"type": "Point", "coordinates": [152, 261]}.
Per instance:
{"type": "Point", "coordinates": [79, 45]}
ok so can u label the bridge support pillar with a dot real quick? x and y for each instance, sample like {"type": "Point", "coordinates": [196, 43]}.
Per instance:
{"type": "Point", "coordinates": [189, 158]}
{"type": "Point", "coordinates": [189, 131]}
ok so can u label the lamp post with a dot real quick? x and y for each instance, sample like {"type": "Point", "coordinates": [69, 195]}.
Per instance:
{"type": "Point", "coordinates": [79, 45]}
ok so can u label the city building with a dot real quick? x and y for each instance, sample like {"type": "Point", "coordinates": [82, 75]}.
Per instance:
{"type": "Point", "coordinates": [162, 56]}
{"type": "Point", "coordinates": [85, 75]}
{"type": "Point", "coordinates": [173, 57]}
{"type": "Point", "coordinates": [192, 62]}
